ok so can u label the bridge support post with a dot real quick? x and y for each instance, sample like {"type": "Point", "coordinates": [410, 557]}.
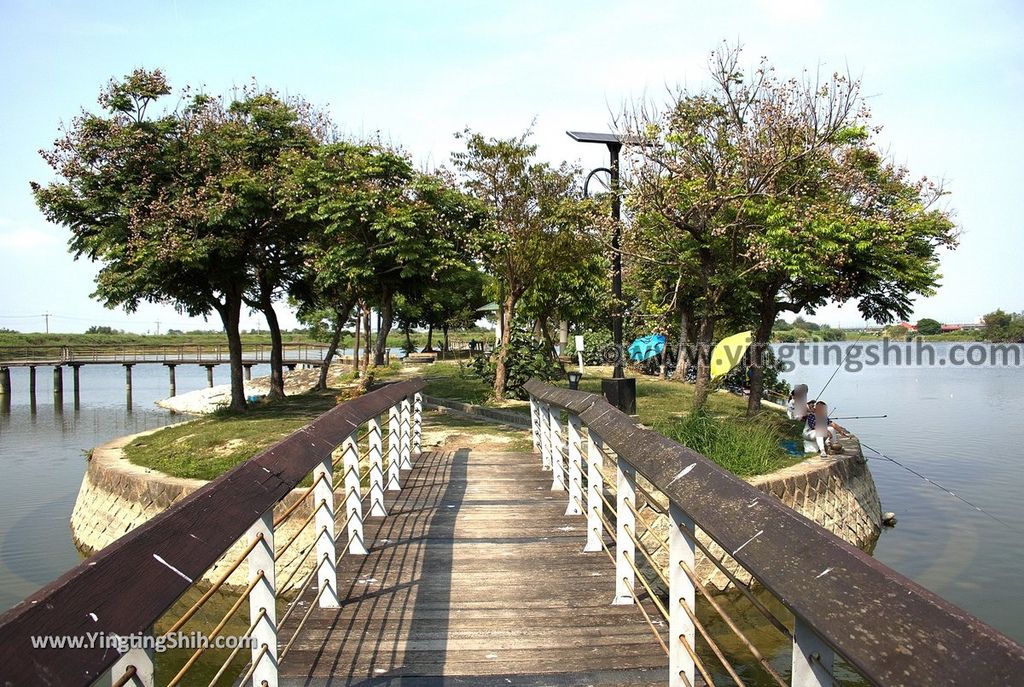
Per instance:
{"type": "Point", "coordinates": [58, 380]}
{"type": "Point", "coordinates": [681, 596]}
{"type": "Point", "coordinates": [557, 454]}
{"type": "Point", "coordinates": [142, 661]}
{"type": "Point", "coordinates": [32, 381]}
{"type": "Point", "coordinates": [417, 424]}
{"type": "Point", "coordinates": [353, 500]}
{"type": "Point", "coordinates": [128, 377]}
{"type": "Point", "coordinates": [573, 440]}
{"type": "Point", "coordinates": [543, 425]}
{"type": "Point", "coordinates": [595, 485]}
{"type": "Point", "coordinates": [812, 658]}
{"type": "Point", "coordinates": [262, 601]}
{"type": "Point", "coordinates": [209, 375]}
{"type": "Point", "coordinates": [394, 457]}
{"type": "Point", "coordinates": [248, 372]}
{"type": "Point", "coordinates": [625, 526]}
{"type": "Point", "coordinates": [170, 374]}
{"type": "Point", "coordinates": [5, 381]}
{"type": "Point", "coordinates": [376, 441]}
{"type": "Point", "coordinates": [406, 436]}
{"type": "Point", "coordinates": [326, 551]}
{"type": "Point", "coordinates": [76, 381]}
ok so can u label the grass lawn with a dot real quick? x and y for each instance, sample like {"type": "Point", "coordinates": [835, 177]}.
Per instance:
{"type": "Point", "coordinates": [723, 433]}
{"type": "Point", "coordinates": [208, 446]}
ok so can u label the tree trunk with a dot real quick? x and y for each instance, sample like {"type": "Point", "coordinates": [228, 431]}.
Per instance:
{"type": "Point", "coordinates": [368, 335]}
{"type": "Point", "coordinates": [231, 315]}
{"type": "Point", "coordinates": [430, 339]}
{"type": "Point", "coordinates": [687, 336]}
{"type": "Point", "coordinates": [355, 350]}
{"type": "Point", "coordinates": [385, 318]}
{"type": "Point", "coordinates": [757, 355]}
{"type": "Point", "coordinates": [704, 340]}
{"type": "Point", "coordinates": [508, 309]}
{"type": "Point", "coordinates": [340, 318]}
{"type": "Point", "coordinates": [408, 339]}
{"type": "Point", "coordinates": [276, 351]}
{"type": "Point", "coordinates": [444, 341]}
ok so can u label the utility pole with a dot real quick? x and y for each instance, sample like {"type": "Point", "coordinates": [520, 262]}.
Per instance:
{"type": "Point", "coordinates": [46, 316]}
{"type": "Point", "coordinates": [158, 327]}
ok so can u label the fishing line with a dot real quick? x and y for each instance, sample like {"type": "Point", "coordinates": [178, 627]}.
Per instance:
{"type": "Point", "coordinates": [910, 469]}
{"type": "Point", "coordinates": [840, 365]}
{"type": "Point", "coordinates": [861, 417]}
{"type": "Point", "coordinates": [936, 484]}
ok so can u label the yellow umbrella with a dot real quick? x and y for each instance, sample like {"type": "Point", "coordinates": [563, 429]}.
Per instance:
{"type": "Point", "coordinates": [729, 352]}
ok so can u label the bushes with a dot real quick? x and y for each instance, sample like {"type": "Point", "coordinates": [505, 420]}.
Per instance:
{"type": "Point", "coordinates": [526, 358]}
{"type": "Point", "coordinates": [744, 447]}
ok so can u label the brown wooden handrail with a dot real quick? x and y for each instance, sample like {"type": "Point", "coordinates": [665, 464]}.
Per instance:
{"type": "Point", "coordinates": [124, 588]}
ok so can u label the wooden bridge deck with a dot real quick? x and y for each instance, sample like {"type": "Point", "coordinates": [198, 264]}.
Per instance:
{"type": "Point", "coordinates": [475, 577]}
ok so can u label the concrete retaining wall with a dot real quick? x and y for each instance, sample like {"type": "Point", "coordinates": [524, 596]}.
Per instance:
{"type": "Point", "coordinates": [117, 496]}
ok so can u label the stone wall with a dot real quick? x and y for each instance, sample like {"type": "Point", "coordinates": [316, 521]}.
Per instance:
{"type": "Point", "coordinates": [117, 496]}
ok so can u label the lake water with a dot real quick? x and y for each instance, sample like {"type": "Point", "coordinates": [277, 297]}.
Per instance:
{"type": "Point", "coordinates": [42, 456]}
{"type": "Point", "coordinates": [960, 426]}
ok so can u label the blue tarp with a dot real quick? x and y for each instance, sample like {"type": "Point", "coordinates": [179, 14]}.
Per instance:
{"type": "Point", "coordinates": [647, 347]}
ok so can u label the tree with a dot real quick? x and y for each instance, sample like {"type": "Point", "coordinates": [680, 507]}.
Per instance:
{"type": "Point", "coordinates": [528, 202]}
{"type": "Point", "coordinates": [928, 326]}
{"type": "Point", "coordinates": [140, 195]}
{"type": "Point", "coordinates": [777, 189]}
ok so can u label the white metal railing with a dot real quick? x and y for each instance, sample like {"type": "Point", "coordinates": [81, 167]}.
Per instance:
{"type": "Point", "coordinates": [831, 589]}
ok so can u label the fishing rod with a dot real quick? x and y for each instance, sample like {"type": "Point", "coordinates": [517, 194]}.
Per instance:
{"type": "Point", "coordinates": [910, 469]}
{"type": "Point", "coordinates": [939, 486]}
{"type": "Point", "coordinates": [861, 417]}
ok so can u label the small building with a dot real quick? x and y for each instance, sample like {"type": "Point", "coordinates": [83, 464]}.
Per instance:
{"type": "Point", "coordinates": [950, 328]}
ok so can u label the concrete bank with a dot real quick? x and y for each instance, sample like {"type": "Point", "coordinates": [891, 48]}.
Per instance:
{"type": "Point", "coordinates": [117, 496]}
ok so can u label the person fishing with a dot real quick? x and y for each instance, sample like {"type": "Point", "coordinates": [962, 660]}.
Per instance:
{"type": "Point", "coordinates": [796, 407]}
{"type": "Point", "coordinates": [820, 431]}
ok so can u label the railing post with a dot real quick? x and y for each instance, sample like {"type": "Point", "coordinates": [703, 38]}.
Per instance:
{"type": "Point", "coordinates": [406, 436]}
{"type": "Point", "coordinates": [141, 660]}
{"type": "Point", "coordinates": [595, 485]}
{"type": "Point", "coordinates": [394, 457]}
{"type": "Point", "coordinates": [417, 423]}
{"type": "Point", "coordinates": [534, 433]}
{"type": "Point", "coordinates": [812, 658]}
{"type": "Point", "coordinates": [323, 521]}
{"type": "Point", "coordinates": [625, 523]}
{"type": "Point", "coordinates": [557, 466]}
{"type": "Point", "coordinates": [353, 500]}
{"type": "Point", "coordinates": [681, 552]}
{"type": "Point", "coordinates": [573, 441]}
{"type": "Point", "coordinates": [262, 602]}
{"type": "Point", "coordinates": [376, 457]}
{"type": "Point", "coordinates": [543, 424]}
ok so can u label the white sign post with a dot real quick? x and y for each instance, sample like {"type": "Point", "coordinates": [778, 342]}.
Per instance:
{"type": "Point", "coordinates": [579, 351]}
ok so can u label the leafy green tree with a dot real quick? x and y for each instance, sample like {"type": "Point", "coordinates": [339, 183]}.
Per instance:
{"type": "Point", "coordinates": [140, 192]}
{"type": "Point", "coordinates": [778, 189]}
{"type": "Point", "coordinates": [928, 326]}
{"type": "Point", "coordinates": [529, 205]}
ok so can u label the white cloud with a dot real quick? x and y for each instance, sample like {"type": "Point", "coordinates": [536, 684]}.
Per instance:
{"type": "Point", "coordinates": [14, 236]}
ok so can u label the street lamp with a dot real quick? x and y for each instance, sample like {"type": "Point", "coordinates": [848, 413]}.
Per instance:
{"type": "Point", "coordinates": [620, 390]}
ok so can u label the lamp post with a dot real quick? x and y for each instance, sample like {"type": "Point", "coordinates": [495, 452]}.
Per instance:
{"type": "Point", "coordinates": [620, 390]}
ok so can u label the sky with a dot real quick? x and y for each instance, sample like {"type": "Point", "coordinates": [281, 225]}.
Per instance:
{"type": "Point", "coordinates": [945, 80]}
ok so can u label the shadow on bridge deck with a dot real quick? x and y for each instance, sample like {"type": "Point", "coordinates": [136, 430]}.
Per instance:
{"type": "Point", "coordinates": [475, 577]}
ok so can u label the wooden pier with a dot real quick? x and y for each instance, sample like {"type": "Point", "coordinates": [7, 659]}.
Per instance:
{"type": "Point", "coordinates": [469, 567]}
{"type": "Point", "coordinates": [476, 577]}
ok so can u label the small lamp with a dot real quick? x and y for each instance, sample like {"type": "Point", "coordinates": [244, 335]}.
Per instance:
{"type": "Point", "coordinates": [574, 379]}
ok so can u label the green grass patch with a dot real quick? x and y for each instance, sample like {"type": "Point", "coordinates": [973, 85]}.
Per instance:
{"type": "Point", "coordinates": [207, 447]}
{"type": "Point", "coordinates": [745, 447]}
